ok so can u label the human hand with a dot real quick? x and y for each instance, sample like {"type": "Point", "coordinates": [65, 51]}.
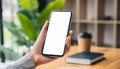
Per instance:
{"type": "Point", "coordinates": [36, 54]}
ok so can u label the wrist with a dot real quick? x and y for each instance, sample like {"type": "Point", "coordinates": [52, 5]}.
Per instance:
{"type": "Point", "coordinates": [33, 58]}
{"type": "Point", "coordinates": [36, 58]}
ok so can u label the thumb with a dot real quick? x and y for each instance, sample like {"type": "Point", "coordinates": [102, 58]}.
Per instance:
{"type": "Point", "coordinates": [41, 37]}
{"type": "Point", "coordinates": [43, 31]}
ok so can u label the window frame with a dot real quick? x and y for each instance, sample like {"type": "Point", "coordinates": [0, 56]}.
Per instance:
{"type": "Point", "coordinates": [1, 33]}
{"type": "Point", "coordinates": [1, 25]}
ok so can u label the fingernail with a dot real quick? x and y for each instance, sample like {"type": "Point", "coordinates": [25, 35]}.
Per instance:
{"type": "Point", "coordinates": [46, 21]}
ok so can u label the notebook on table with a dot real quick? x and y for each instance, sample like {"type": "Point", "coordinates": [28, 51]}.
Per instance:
{"type": "Point", "coordinates": [85, 57]}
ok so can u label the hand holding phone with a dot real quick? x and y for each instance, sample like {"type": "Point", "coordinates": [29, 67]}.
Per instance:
{"type": "Point", "coordinates": [57, 32]}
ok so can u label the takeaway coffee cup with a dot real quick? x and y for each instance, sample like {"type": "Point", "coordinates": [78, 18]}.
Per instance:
{"type": "Point", "coordinates": [84, 42]}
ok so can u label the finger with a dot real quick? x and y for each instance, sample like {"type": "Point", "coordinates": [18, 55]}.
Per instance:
{"type": "Point", "coordinates": [70, 33]}
{"type": "Point", "coordinates": [68, 43]}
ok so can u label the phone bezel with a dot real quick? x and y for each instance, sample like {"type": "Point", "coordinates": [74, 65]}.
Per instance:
{"type": "Point", "coordinates": [52, 55]}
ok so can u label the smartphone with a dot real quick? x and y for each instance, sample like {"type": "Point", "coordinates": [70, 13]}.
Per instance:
{"type": "Point", "coordinates": [57, 32]}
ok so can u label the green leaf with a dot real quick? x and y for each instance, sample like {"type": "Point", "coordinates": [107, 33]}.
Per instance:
{"type": "Point", "coordinates": [29, 5]}
{"type": "Point", "coordinates": [10, 53]}
{"type": "Point", "coordinates": [44, 15]}
{"type": "Point", "coordinates": [27, 26]}
{"type": "Point", "coordinates": [15, 30]}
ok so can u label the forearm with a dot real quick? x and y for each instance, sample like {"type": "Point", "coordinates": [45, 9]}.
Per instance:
{"type": "Point", "coordinates": [25, 62]}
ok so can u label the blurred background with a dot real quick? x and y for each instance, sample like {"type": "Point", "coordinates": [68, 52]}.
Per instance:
{"type": "Point", "coordinates": [21, 22]}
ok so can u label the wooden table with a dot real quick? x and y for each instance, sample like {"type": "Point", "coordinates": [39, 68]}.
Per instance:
{"type": "Point", "coordinates": [112, 60]}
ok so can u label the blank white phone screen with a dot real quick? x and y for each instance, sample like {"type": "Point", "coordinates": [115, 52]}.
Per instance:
{"type": "Point", "coordinates": [57, 33]}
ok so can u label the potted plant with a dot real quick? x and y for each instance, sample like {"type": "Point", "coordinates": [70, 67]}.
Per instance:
{"type": "Point", "coordinates": [31, 21]}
